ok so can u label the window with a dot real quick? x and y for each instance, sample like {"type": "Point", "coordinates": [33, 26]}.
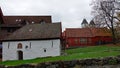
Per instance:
{"type": "Point", "coordinates": [26, 47]}
{"type": "Point", "coordinates": [76, 41]}
{"type": "Point", "coordinates": [83, 40]}
{"type": "Point", "coordinates": [52, 44]}
{"type": "Point", "coordinates": [30, 45]}
{"type": "Point", "coordinates": [44, 49]}
{"type": "Point", "coordinates": [8, 45]}
{"type": "Point", "coordinates": [19, 46]}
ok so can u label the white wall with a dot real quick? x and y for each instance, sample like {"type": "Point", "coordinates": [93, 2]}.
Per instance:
{"type": "Point", "coordinates": [10, 51]}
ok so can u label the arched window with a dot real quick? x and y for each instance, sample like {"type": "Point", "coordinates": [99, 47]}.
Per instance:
{"type": "Point", "coordinates": [19, 46]}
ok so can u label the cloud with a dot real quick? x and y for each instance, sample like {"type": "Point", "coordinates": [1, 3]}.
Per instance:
{"type": "Point", "coordinates": [69, 12]}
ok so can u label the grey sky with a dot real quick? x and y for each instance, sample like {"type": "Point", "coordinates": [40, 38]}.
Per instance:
{"type": "Point", "coordinates": [69, 12]}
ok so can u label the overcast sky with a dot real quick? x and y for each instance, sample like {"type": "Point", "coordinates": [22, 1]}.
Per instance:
{"type": "Point", "coordinates": [69, 12]}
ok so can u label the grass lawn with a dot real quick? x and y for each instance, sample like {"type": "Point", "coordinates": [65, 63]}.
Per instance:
{"type": "Point", "coordinates": [73, 54]}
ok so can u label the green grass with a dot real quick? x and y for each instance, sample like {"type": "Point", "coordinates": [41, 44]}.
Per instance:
{"type": "Point", "coordinates": [93, 49]}
{"type": "Point", "coordinates": [73, 54]}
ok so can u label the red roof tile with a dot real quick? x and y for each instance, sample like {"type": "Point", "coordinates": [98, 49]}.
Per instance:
{"type": "Point", "coordinates": [87, 32]}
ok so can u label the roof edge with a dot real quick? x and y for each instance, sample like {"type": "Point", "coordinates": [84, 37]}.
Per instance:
{"type": "Point", "coordinates": [31, 39]}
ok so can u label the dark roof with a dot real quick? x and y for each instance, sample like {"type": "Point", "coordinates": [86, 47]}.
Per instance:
{"type": "Point", "coordinates": [87, 32]}
{"type": "Point", "coordinates": [20, 19]}
{"type": "Point", "coordinates": [36, 32]}
{"type": "Point", "coordinates": [92, 22]}
{"type": "Point", "coordinates": [10, 25]}
{"type": "Point", "coordinates": [30, 19]}
{"type": "Point", "coordinates": [84, 21]}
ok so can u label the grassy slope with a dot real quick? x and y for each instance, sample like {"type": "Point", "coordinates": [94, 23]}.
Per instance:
{"type": "Point", "coordinates": [78, 53]}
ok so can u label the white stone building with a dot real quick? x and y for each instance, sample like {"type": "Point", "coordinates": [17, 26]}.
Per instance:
{"type": "Point", "coordinates": [33, 41]}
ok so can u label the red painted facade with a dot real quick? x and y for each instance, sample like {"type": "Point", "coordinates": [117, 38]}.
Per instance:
{"type": "Point", "coordinates": [85, 37]}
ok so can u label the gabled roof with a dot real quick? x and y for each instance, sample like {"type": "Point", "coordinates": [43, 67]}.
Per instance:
{"type": "Point", "coordinates": [92, 22]}
{"type": "Point", "coordinates": [36, 32]}
{"type": "Point", "coordinates": [87, 32]}
{"type": "Point", "coordinates": [84, 21]}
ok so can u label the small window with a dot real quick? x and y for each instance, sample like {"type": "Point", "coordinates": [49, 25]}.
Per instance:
{"type": "Point", "coordinates": [8, 45]}
{"type": "Point", "coordinates": [19, 46]}
{"type": "Point", "coordinates": [83, 40]}
{"type": "Point", "coordinates": [76, 41]}
{"type": "Point", "coordinates": [26, 47]}
{"type": "Point", "coordinates": [52, 44]}
{"type": "Point", "coordinates": [44, 49]}
{"type": "Point", "coordinates": [30, 45]}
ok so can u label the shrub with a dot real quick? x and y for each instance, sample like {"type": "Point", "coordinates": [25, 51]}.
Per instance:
{"type": "Point", "coordinates": [112, 61]}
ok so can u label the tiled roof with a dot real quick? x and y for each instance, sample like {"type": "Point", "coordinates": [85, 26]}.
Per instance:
{"type": "Point", "coordinates": [30, 19]}
{"type": "Point", "coordinates": [37, 31]}
{"type": "Point", "coordinates": [78, 32]}
{"type": "Point", "coordinates": [101, 32]}
{"type": "Point", "coordinates": [11, 25]}
{"type": "Point", "coordinates": [87, 32]}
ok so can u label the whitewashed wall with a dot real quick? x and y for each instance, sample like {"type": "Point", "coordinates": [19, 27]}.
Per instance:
{"type": "Point", "coordinates": [35, 49]}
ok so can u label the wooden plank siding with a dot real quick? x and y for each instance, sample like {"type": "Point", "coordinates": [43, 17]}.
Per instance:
{"type": "Point", "coordinates": [74, 37]}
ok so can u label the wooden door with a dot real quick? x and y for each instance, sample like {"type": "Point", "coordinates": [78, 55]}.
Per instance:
{"type": "Point", "coordinates": [20, 55]}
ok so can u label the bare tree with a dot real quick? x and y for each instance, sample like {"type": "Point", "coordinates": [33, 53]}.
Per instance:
{"type": "Point", "coordinates": [105, 14]}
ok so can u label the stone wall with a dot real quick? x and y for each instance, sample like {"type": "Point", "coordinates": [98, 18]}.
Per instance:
{"type": "Point", "coordinates": [108, 62]}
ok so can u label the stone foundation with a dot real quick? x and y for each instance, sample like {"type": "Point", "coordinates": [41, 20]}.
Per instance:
{"type": "Point", "coordinates": [108, 62]}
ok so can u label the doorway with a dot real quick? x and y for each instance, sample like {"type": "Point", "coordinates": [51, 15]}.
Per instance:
{"type": "Point", "coordinates": [20, 55]}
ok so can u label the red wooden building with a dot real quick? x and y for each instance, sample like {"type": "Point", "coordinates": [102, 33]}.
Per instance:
{"type": "Point", "coordinates": [74, 37]}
